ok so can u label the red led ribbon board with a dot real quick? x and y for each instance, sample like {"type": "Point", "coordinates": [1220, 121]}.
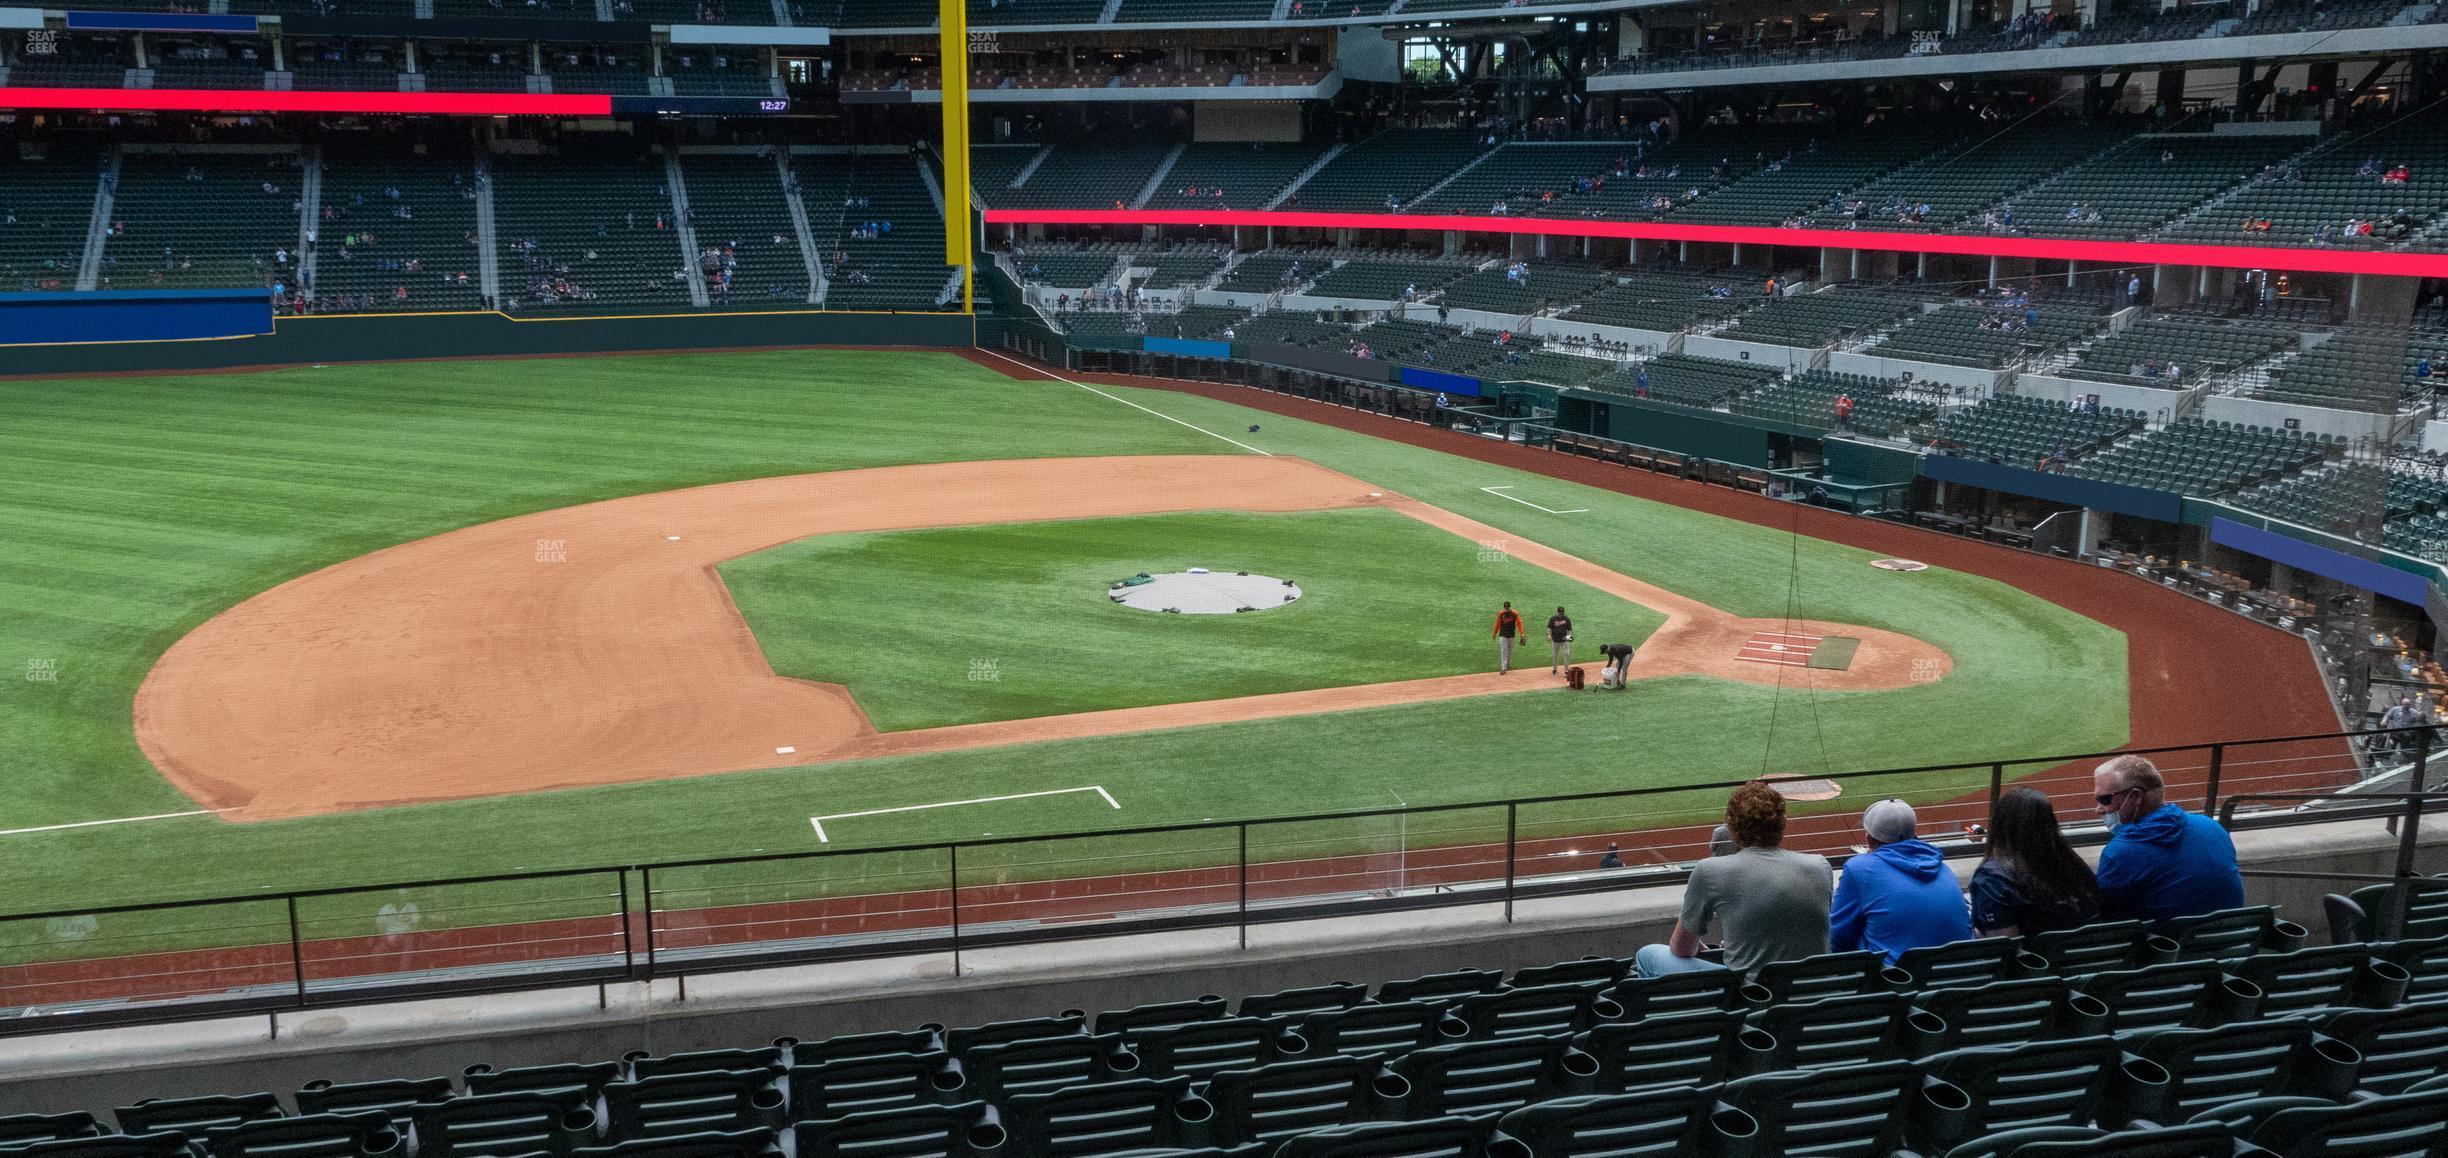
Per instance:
{"type": "Point", "coordinates": [411, 104]}
{"type": "Point", "coordinates": [2379, 263]}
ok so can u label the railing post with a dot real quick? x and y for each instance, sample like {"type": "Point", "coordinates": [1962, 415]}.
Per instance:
{"type": "Point", "coordinates": [953, 853]}
{"type": "Point", "coordinates": [646, 910]}
{"type": "Point", "coordinates": [1244, 862]}
{"type": "Point", "coordinates": [2218, 763]}
{"type": "Point", "coordinates": [1997, 784]}
{"type": "Point", "coordinates": [297, 954]}
{"type": "Point", "coordinates": [628, 937]}
{"type": "Point", "coordinates": [1512, 854]}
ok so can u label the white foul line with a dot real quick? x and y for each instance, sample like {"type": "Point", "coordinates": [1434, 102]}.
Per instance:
{"type": "Point", "coordinates": [113, 820]}
{"type": "Point", "coordinates": [821, 838]}
{"type": "Point", "coordinates": [1127, 402]}
{"type": "Point", "coordinates": [1499, 492]}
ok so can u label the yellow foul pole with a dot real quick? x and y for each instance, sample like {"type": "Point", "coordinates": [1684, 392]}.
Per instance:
{"type": "Point", "coordinates": [959, 247]}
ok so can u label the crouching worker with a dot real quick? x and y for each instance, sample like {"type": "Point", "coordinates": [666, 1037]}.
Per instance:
{"type": "Point", "coordinates": [1618, 664]}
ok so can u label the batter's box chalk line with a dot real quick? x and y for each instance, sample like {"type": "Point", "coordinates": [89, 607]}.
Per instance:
{"type": "Point", "coordinates": [823, 838]}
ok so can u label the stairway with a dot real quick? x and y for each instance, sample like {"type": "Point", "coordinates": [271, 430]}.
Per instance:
{"type": "Point", "coordinates": [97, 228]}
{"type": "Point", "coordinates": [1156, 179]}
{"type": "Point", "coordinates": [817, 286]}
{"type": "Point", "coordinates": [686, 230]}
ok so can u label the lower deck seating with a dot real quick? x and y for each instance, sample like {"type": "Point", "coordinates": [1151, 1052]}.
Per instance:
{"type": "Point", "coordinates": [619, 248]}
{"type": "Point", "coordinates": [46, 208]}
{"type": "Point", "coordinates": [2071, 1035]}
{"type": "Point", "coordinates": [396, 232]}
{"type": "Point", "coordinates": [205, 220]}
{"type": "Point", "coordinates": [2027, 432]}
{"type": "Point", "coordinates": [1817, 319]}
{"type": "Point", "coordinates": [737, 205]}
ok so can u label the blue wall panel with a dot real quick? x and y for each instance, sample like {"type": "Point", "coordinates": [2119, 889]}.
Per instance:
{"type": "Point", "coordinates": [1188, 347]}
{"type": "Point", "coordinates": [2139, 502]}
{"type": "Point", "coordinates": [1419, 379]}
{"type": "Point", "coordinates": [133, 316]}
{"type": "Point", "coordinates": [2364, 573]}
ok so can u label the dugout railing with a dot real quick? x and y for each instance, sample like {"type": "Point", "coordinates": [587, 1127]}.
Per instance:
{"type": "Point", "coordinates": [75, 968]}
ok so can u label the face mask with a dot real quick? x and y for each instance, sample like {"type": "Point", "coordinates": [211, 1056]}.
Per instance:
{"type": "Point", "coordinates": [2116, 820]}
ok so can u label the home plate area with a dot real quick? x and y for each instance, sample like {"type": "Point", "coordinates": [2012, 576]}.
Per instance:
{"type": "Point", "coordinates": [1793, 649]}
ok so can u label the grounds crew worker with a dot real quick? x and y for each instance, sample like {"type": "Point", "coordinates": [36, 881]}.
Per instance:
{"type": "Point", "coordinates": [1559, 638]}
{"type": "Point", "coordinates": [1619, 661]}
{"type": "Point", "coordinates": [1509, 627]}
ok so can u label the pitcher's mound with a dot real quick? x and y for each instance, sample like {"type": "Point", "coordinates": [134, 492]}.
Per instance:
{"type": "Point", "coordinates": [1202, 592]}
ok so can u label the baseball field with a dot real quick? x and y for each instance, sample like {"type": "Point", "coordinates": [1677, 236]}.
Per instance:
{"type": "Point", "coordinates": [350, 625]}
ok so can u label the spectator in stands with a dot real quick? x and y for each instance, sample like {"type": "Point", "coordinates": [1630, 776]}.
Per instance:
{"type": "Point", "coordinates": [1899, 895]}
{"type": "Point", "coordinates": [1844, 412]}
{"type": "Point", "coordinates": [1770, 901]}
{"type": "Point", "coordinates": [2161, 862]}
{"type": "Point", "coordinates": [2032, 881]}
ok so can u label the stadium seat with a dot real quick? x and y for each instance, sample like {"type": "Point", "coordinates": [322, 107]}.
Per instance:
{"type": "Point", "coordinates": [2363, 915]}
{"type": "Point", "coordinates": [1700, 1048]}
{"type": "Point", "coordinates": [770, 1059]}
{"type": "Point", "coordinates": [167, 1144]}
{"type": "Point", "coordinates": [754, 1143]}
{"type": "Point", "coordinates": [2198, 1140]}
{"type": "Point", "coordinates": [1487, 1077]}
{"type": "Point", "coordinates": [1705, 989]}
{"type": "Point", "coordinates": [1442, 987]}
{"type": "Point", "coordinates": [961, 1041]}
{"type": "Point", "coordinates": [1843, 1031]}
{"type": "Point", "coordinates": [1162, 1015]}
{"type": "Point", "coordinates": [2175, 995]}
{"type": "Point", "coordinates": [724, 1101]}
{"type": "Point", "coordinates": [859, 1045]}
{"type": "Point", "coordinates": [2425, 962]}
{"type": "Point", "coordinates": [1976, 962]}
{"type": "Point", "coordinates": [395, 1099]}
{"type": "Point", "coordinates": [1297, 1002]}
{"type": "Point", "coordinates": [2005, 1012]}
{"type": "Point", "coordinates": [2401, 1047]}
{"type": "Point", "coordinates": [195, 1115]}
{"type": "Point", "coordinates": [1431, 1138]}
{"type": "Point", "coordinates": [2099, 948]}
{"type": "Point", "coordinates": [2402, 1126]}
{"type": "Point", "coordinates": [859, 1085]}
{"type": "Point", "coordinates": [2322, 976]}
{"type": "Point", "coordinates": [1850, 1111]}
{"type": "Point", "coordinates": [1272, 1102]}
{"type": "Point", "coordinates": [1106, 1117]}
{"type": "Point", "coordinates": [552, 1122]}
{"type": "Point", "coordinates": [1037, 1065]}
{"type": "Point", "coordinates": [1830, 975]}
{"type": "Point", "coordinates": [2208, 1068]}
{"type": "Point", "coordinates": [2234, 933]}
{"type": "Point", "coordinates": [589, 1077]}
{"type": "Point", "coordinates": [359, 1135]}
{"type": "Point", "coordinates": [1607, 969]}
{"type": "Point", "coordinates": [1199, 1049]}
{"type": "Point", "coordinates": [2056, 1083]}
{"type": "Point", "coordinates": [1657, 1121]}
{"type": "Point", "coordinates": [1539, 1009]}
{"type": "Point", "coordinates": [966, 1130]}
{"type": "Point", "coordinates": [27, 1129]}
{"type": "Point", "coordinates": [1391, 1030]}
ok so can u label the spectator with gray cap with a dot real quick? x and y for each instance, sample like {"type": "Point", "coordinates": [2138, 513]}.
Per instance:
{"type": "Point", "coordinates": [1899, 895]}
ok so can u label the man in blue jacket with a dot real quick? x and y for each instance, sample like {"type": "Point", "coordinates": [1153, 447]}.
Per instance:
{"type": "Point", "coordinates": [2161, 861]}
{"type": "Point", "coordinates": [1899, 895]}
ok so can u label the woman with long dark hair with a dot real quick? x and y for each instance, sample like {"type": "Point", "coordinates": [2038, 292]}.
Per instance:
{"type": "Point", "coordinates": [2032, 881]}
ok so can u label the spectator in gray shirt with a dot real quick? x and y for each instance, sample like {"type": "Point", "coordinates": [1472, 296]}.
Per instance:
{"type": "Point", "coordinates": [1771, 903]}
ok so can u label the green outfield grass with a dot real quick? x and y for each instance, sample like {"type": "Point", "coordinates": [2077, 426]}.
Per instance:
{"type": "Point", "coordinates": [135, 508]}
{"type": "Point", "coordinates": [1384, 597]}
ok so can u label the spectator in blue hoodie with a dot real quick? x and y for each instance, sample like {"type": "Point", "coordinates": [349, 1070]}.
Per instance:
{"type": "Point", "coordinates": [2161, 861]}
{"type": "Point", "coordinates": [1899, 895]}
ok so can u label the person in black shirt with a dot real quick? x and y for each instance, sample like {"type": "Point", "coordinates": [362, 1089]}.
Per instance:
{"type": "Point", "coordinates": [2032, 881]}
{"type": "Point", "coordinates": [1559, 638]}
{"type": "Point", "coordinates": [1619, 663]}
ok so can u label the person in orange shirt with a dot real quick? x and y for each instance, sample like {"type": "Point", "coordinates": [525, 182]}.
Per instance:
{"type": "Point", "coordinates": [1509, 627]}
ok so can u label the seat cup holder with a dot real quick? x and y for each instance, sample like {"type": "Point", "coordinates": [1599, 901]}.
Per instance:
{"type": "Point", "coordinates": [1195, 1109]}
{"type": "Point", "coordinates": [1388, 1084]}
{"type": "Point", "coordinates": [1755, 993]}
{"type": "Point", "coordinates": [1579, 1064]}
{"type": "Point", "coordinates": [1291, 1042]}
{"type": "Point", "coordinates": [1605, 1009]}
{"type": "Point", "coordinates": [987, 1136]}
